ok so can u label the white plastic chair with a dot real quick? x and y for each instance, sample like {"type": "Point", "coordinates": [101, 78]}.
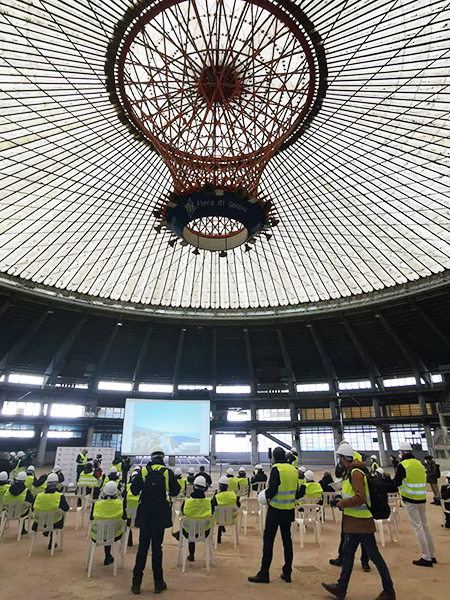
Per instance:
{"type": "Point", "coordinates": [311, 516]}
{"type": "Point", "coordinates": [105, 537]}
{"type": "Point", "coordinates": [315, 502]}
{"type": "Point", "coordinates": [395, 503]}
{"type": "Point", "coordinates": [177, 503]}
{"type": "Point", "coordinates": [45, 522]}
{"type": "Point", "coordinates": [252, 507]}
{"type": "Point", "coordinates": [13, 512]}
{"type": "Point", "coordinates": [260, 486]}
{"type": "Point", "coordinates": [242, 491]}
{"type": "Point", "coordinates": [327, 497]}
{"type": "Point", "coordinates": [392, 526]}
{"type": "Point", "coordinates": [189, 489]}
{"type": "Point", "coordinates": [196, 533]}
{"type": "Point", "coordinates": [223, 517]}
{"type": "Point", "coordinates": [132, 512]}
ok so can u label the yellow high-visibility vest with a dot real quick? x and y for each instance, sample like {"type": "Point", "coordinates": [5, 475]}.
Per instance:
{"type": "Point", "coordinates": [414, 485]}
{"type": "Point", "coordinates": [110, 509]}
{"type": "Point", "coordinates": [197, 508]}
{"type": "Point", "coordinates": [360, 512]}
{"type": "Point", "coordinates": [284, 499]}
{"type": "Point", "coordinates": [48, 503]}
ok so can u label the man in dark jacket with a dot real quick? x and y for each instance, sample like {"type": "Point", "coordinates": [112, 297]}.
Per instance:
{"type": "Point", "coordinates": [433, 474]}
{"type": "Point", "coordinates": [258, 477]}
{"type": "Point", "coordinates": [327, 478]}
{"type": "Point", "coordinates": [156, 484]}
{"type": "Point", "coordinates": [445, 495]}
{"type": "Point", "coordinates": [206, 475]}
{"type": "Point", "coordinates": [389, 484]}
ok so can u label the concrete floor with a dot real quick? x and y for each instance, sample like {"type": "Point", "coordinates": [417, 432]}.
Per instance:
{"type": "Point", "coordinates": [63, 577]}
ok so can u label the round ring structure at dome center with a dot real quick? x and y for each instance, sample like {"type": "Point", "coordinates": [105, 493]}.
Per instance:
{"type": "Point", "coordinates": [216, 86]}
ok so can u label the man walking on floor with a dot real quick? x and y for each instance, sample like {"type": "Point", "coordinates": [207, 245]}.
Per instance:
{"type": "Point", "coordinates": [411, 479]}
{"type": "Point", "coordinates": [358, 526]}
{"type": "Point", "coordinates": [280, 494]}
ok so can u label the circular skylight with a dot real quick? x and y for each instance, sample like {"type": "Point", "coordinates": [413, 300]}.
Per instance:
{"type": "Point", "coordinates": [361, 195]}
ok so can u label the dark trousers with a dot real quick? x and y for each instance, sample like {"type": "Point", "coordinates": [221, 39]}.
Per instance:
{"type": "Point", "coordinates": [191, 545]}
{"type": "Point", "coordinates": [447, 516]}
{"type": "Point", "coordinates": [270, 531]}
{"type": "Point", "coordinates": [368, 543]}
{"type": "Point", "coordinates": [80, 469]}
{"type": "Point", "coordinates": [364, 557]}
{"type": "Point", "coordinates": [155, 535]}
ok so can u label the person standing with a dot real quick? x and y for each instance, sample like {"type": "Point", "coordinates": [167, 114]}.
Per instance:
{"type": "Point", "coordinates": [155, 484]}
{"type": "Point", "coordinates": [292, 457]}
{"type": "Point", "coordinates": [358, 526]}
{"type": "Point", "coordinates": [374, 466]}
{"type": "Point", "coordinates": [280, 495]}
{"type": "Point", "coordinates": [411, 480]}
{"type": "Point", "coordinates": [204, 474]}
{"type": "Point", "coordinates": [82, 459]}
{"type": "Point", "coordinates": [433, 474]}
{"type": "Point", "coordinates": [445, 495]}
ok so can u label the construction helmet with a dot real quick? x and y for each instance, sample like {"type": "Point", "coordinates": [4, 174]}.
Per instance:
{"type": "Point", "coordinates": [230, 471]}
{"type": "Point", "coordinates": [110, 489]}
{"type": "Point", "coordinates": [113, 470]}
{"type": "Point", "coordinates": [157, 451]}
{"type": "Point", "coordinates": [21, 476]}
{"type": "Point", "coordinates": [259, 467]}
{"type": "Point", "coordinates": [191, 470]}
{"type": "Point", "coordinates": [223, 480]}
{"type": "Point", "coordinates": [3, 476]}
{"type": "Point", "coordinates": [200, 482]}
{"type": "Point", "coordinates": [56, 469]}
{"type": "Point", "coordinates": [405, 447]}
{"type": "Point", "coordinates": [178, 471]}
{"type": "Point", "coordinates": [262, 498]}
{"type": "Point", "coordinates": [20, 454]}
{"type": "Point", "coordinates": [309, 475]}
{"type": "Point", "coordinates": [30, 469]}
{"type": "Point", "coordinates": [52, 478]}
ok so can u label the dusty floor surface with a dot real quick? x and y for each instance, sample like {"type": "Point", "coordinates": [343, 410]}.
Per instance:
{"type": "Point", "coordinates": [63, 577]}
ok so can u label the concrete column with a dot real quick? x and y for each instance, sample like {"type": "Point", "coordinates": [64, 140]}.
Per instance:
{"type": "Point", "coordinates": [337, 435]}
{"type": "Point", "coordinates": [42, 447]}
{"type": "Point", "coordinates": [422, 404]}
{"type": "Point", "coordinates": [429, 438]}
{"type": "Point", "coordinates": [376, 408]}
{"type": "Point", "coordinates": [90, 436]}
{"type": "Point", "coordinates": [384, 460]}
{"type": "Point", "coordinates": [388, 439]}
{"type": "Point", "coordinates": [333, 409]}
{"type": "Point", "coordinates": [295, 438]}
{"type": "Point", "coordinates": [213, 446]}
{"type": "Point", "coordinates": [254, 438]}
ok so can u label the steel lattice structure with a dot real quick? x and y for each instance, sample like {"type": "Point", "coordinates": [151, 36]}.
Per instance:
{"type": "Point", "coordinates": [361, 192]}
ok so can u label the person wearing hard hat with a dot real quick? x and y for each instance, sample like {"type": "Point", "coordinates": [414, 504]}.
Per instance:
{"type": "Point", "coordinates": [88, 479]}
{"type": "Point", "coordinates": [57, 469]}
{"type": "Point", "coordinates": [113, 475]}
{"type": "Point", "coordinates": [109, 508]}
{"type": "Point", "coordinates": [445, 495]}
{"type": "Point", "coordinates": [82, 460]}
{"type": "Point", "coordinates": [50, 500]}
{"type": "Point", "coordinates": [433, 474]}
{"type": "Point", "coordinates": [131, 502]}
{"type": "Point", "coordinates": [19, 463]}
{"type": "Point", "coordinates": [258, 477]}
{"type": "Point", "coordinates": [243, 481]}
{"type": "Point", "coordinates": [411, 479]}
{"type": "Point", "coordinates": [292, 457]}
{"type": "Point", "coordinates": [17, 492]}
{"type": "Point", "coordinates": [198, 506]}
{"type": "Point", "coordinates": [203, 473]}
{"type": "Point", "coordinates": [181, 481]}
{"type": "Point", "coordinates": [310, 489]}
{"type": "Point", "coordinates": [374, 466]}
{"type": "Point", "coordinates": [387, 481]}
{"type": "Point", "coordinates": [190, 476]}
{"type": "Point", "coordinates": [233, 483]}
{"type": "Point", "coordinates": [301, 475]}
{"type": "Point", "coordinates": [280, 496]}
{"type": "Point", "coordinates": [39, 484]}
{"type": "Point", "coordinates": [29, 481]}
{"type": "Point", "coordinates": [4, 484]}
{"type": "Point", "coordinates": [117, 463]}
{"type": "Point", "coordinates": [358, 526]}
{"type": "Point", "coordinates": [156, 484]}
{"type": "Point", "coordinates": [224, 498]}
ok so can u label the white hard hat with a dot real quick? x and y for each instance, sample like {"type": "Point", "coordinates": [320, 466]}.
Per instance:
{"type": "Point", "coordinates": [200, 481]}
{"type": "Point", "coordinates": [52, 478]}
{"type": "Point", "coordinates": [157, 450]}
{"type": "Point", "coordinates": [405, 447]}
{"type": "Point", "coordinates": [294, 450]}
{"type": "Point", "coordinates": [56, 469]}
{"type": "Point", "coordinates": [178, 471]}
{"type": "Point", "coordinates": [13, 454]}
{"type": "Point", "coordinates": [21, 476]}
{"type": "Point", "coordinates": [374, 457]}
{"type": "Point", "coordinates": [223, 480]}
{"type": "Point", "coordinates": [230, 471]}
{"type": "Point", "coordinates": [110, 489]}
{"type": "Point", "coordinates": [30, 468]}
{"type": "Point", "coordinates": [113, 470]}
{"type": "Point", "coordinates": [241, 470]}
{"type": "Point", "coordinates": [259, 467]}
{"type": "Point", "coordinates": [262, 498]}
{"type": "Point", "coordinates": [309, 475]}
{"type": "Point", "coordinates": [191, 470]}
{"type": "Point", "coordinates": [3, 476]}
{"type": "Point", "coordinates": [303, 469]}
{"type": "Point", "coordinates": [20, 454]}
{"type": "Point", "coordinates": [345, 450]}
{"type": "Point", "coordinates": [380, 471]}
{"type": "Point", "coordinates": [71, 485]}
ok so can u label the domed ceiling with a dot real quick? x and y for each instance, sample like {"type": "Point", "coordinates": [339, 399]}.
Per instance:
{"type": "Point", "coordinates": [359, 192]}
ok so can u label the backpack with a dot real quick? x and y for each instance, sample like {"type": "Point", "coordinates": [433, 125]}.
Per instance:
{"type": "Point", "coordinates": [379, 503]}
{"type": "Point", "coordinates": [154, 491]}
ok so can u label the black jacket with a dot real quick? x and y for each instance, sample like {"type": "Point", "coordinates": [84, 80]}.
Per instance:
{"type": "Point", "coordinates": [325, 483]}
{"type": "Point", "coordinates": [206, 476]}
{"type": "Point", "coordinates": [275, 514]}
{"type": "Point", "coordinates": [151, 514]}
{"type": "Point", "coordinates": [17, 488]}
{"type": "Point", "coordinates": [432, 471]}
{"type": "Point", "coordinates": [259, 477]}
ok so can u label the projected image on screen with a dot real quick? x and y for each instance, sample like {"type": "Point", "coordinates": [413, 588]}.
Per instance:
{"type": "Point", "coordinates": [178, 427]}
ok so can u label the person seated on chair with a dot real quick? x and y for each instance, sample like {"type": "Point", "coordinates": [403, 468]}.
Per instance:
{"type": "Point", "coordinates": [50, 500]}
{"type": "Point", "coordinates": [301, 475]}
{"type": "Point", "coordinates": [110, 508]}
{"type": "Point", "coordinates": [233, 483]}
{"type": "Point", "coordinates": [198, 506]}
{"type": "Point", "coordinates": [388, 482]}
{"type": "Point", "coordinates": [327, 478]}
{"type": "Point", "coordinates": [17, 492]}
{"type": "Point", "coordinates": [242, 478]}
{"type": "Point", "coordinates": [181, 481]}
{"type": "Point", "coordinates": [57, 469]}
{"type": "Point", "coordinates": [39, 484]}
{"type": "Point", "coordinates": [131, 501]}
{"type": "Point", "coordinates": [113, 475]}
{"type": "Point", "coordinates": [191, 476]}
{"type": "Point", "coordinates": [204, 474]}
{"type": "Point", "coordinates": [292, 458]}
{"type": "Point", "coordinates": [88, 479]}
{"type": "Point", "coordinates": [258, 477]}
{"type": "Point", "coordinates": [4, 483]}
{"type": "Point", "coordinates": [374, 464]}
{"type": "Point", "coordinates": [310, 489]}
{"type": "Point", "coordinates": [445, 495]}
{"type": "Point", "coordinates": [224, 498]}
{"type": "Point", "coordinates": [29, 481]}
